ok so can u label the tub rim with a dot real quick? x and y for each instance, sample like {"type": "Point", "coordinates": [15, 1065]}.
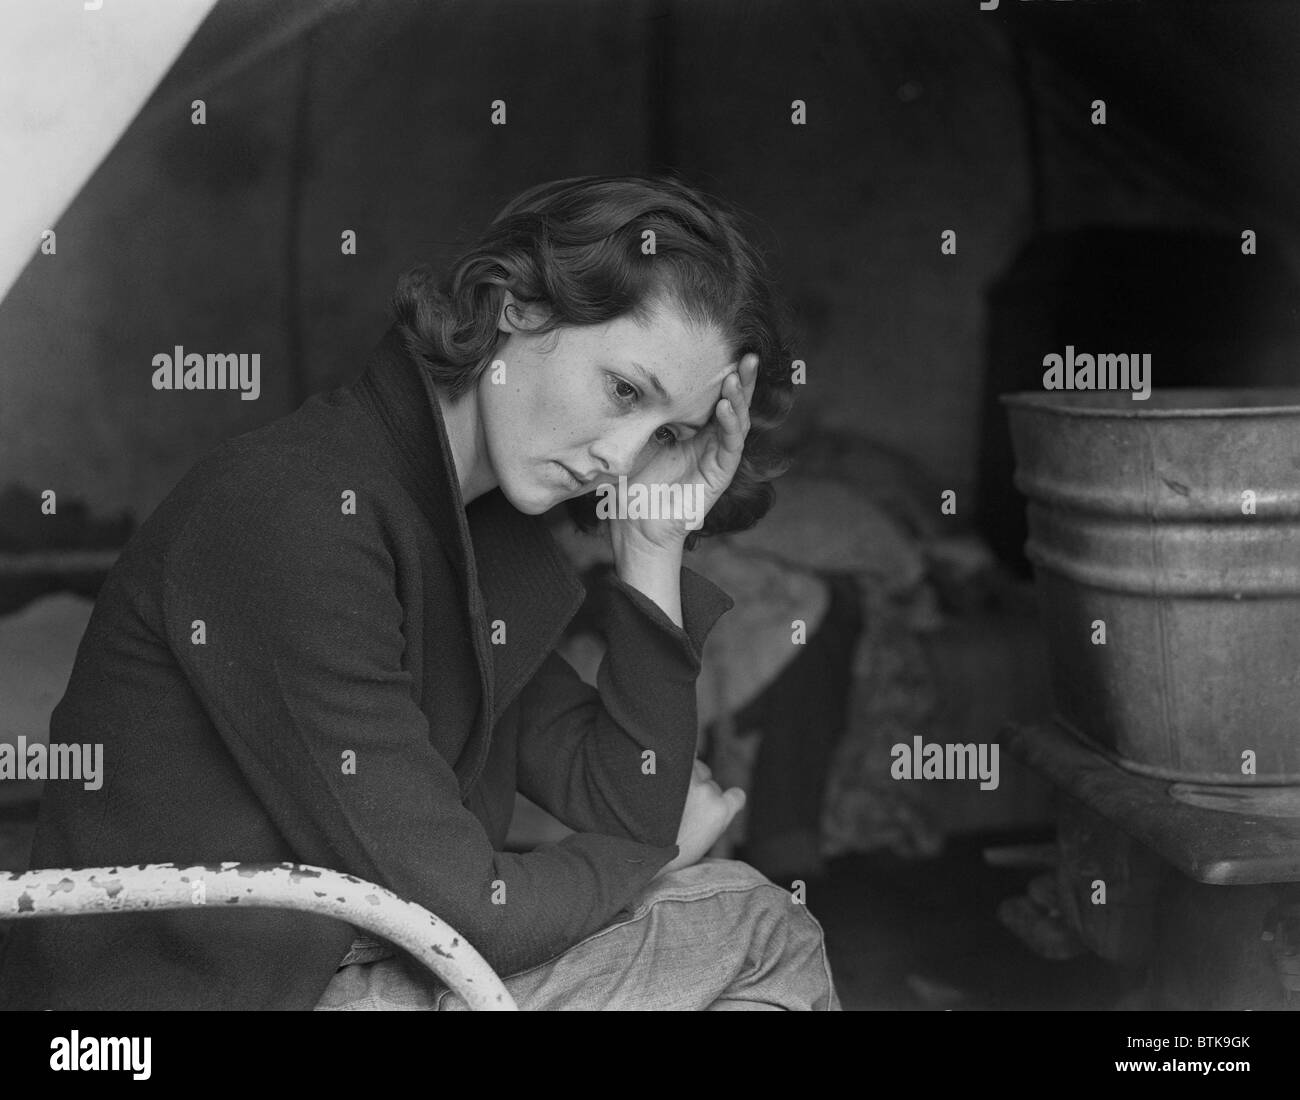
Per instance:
{"type": "Point", "coordinates": [1050, 401]}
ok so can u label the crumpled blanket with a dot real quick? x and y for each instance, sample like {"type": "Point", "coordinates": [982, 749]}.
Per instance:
{"type": "Point", "coordinates": [822, 525]}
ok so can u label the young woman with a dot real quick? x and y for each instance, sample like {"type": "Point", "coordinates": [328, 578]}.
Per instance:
{"type": "Point", "coordinates": [334, 644]}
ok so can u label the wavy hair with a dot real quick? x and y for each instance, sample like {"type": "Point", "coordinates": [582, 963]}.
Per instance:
{"type": "Point", "coordinates": [574, 248]}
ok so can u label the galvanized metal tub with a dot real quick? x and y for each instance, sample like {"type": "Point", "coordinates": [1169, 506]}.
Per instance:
{"type": "Point", "coordinates": [1138, 518]}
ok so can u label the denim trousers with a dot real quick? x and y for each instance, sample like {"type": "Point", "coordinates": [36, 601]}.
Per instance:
{"type": "Point", "coordinates": [716, 936]}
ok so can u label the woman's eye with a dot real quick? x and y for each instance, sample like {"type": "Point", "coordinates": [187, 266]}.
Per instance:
{"type": "Point", "coordinates": [626, 394]}
{"type": "Point", "coordinates": [623, 390]}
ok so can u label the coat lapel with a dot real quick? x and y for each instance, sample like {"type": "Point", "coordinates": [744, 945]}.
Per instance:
{"type": "Point", "coordinates": [507, 566]}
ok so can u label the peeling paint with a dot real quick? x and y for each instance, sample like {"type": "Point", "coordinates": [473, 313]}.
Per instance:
{"type": "Point", "coordinates": [156, 887]}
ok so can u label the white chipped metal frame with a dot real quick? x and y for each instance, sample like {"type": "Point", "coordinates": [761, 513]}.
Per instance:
{"type": "Point", "coordinates": [154, 886]}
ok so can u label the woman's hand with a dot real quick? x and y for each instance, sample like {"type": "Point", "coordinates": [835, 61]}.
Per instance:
{"type": "Point", "coordinates": [703, 465]}
{"type": "Point", "coordinates": [709, 811]}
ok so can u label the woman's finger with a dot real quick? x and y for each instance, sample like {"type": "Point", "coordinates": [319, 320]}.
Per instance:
{"type": "Point", "coordinates": [742, 401]}
{"type": "Point", "coordinates": [733, 438]}
{"type": "Point", "coordinates": [735, 396]}
{"type": "Point", "coordinates": [748, 377]}
{"type": "Point", "coordinates": [735, 799]}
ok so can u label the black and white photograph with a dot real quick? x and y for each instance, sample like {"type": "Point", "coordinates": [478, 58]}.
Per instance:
{"type": "Point", "coordinates": [650, 506]}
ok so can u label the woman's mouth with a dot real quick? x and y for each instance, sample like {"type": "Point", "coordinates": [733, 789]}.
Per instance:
{"type": "Point", "coordinates": [570, 478]}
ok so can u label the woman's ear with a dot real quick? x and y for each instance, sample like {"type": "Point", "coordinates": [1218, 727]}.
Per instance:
{"type": "Point", "coordinates": [513, 316]}
{"type": "Point", "coordinates": [503, 321]}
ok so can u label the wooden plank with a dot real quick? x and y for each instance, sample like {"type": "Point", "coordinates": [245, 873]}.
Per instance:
{"type": "Point", "coordinates": [1217, 847]}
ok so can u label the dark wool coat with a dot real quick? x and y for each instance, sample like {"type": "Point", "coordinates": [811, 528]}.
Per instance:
{"type": "Point", "coordinates": [326, 633]}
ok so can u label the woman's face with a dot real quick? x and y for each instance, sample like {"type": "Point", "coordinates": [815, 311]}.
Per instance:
{"type": "Point", "coordinates": [579, 406]}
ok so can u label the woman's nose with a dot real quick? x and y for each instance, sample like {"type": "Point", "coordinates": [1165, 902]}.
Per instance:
{"type": "Point", "coordinates": [617, 453]}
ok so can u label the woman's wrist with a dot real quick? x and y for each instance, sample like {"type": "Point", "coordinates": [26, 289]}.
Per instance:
{"type": "Point", "coordinates": [652, 569]}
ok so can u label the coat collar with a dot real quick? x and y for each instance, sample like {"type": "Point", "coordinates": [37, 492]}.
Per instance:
{"type": "Point", "coordinates": [507, 565]}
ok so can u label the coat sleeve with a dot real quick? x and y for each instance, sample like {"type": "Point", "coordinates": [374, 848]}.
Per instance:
{"type": "Point", "coordinates": [300, 670]}
{"type": "Point", "coordinates": [616, 758]}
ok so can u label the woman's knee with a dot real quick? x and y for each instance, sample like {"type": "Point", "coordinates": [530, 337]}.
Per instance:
{"type": "Point", "coordinates": [709, 876]}
{"type": "Point", "coordinates": [750, 907]}
{"type": "Point", "coordinates": [782, 948]}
